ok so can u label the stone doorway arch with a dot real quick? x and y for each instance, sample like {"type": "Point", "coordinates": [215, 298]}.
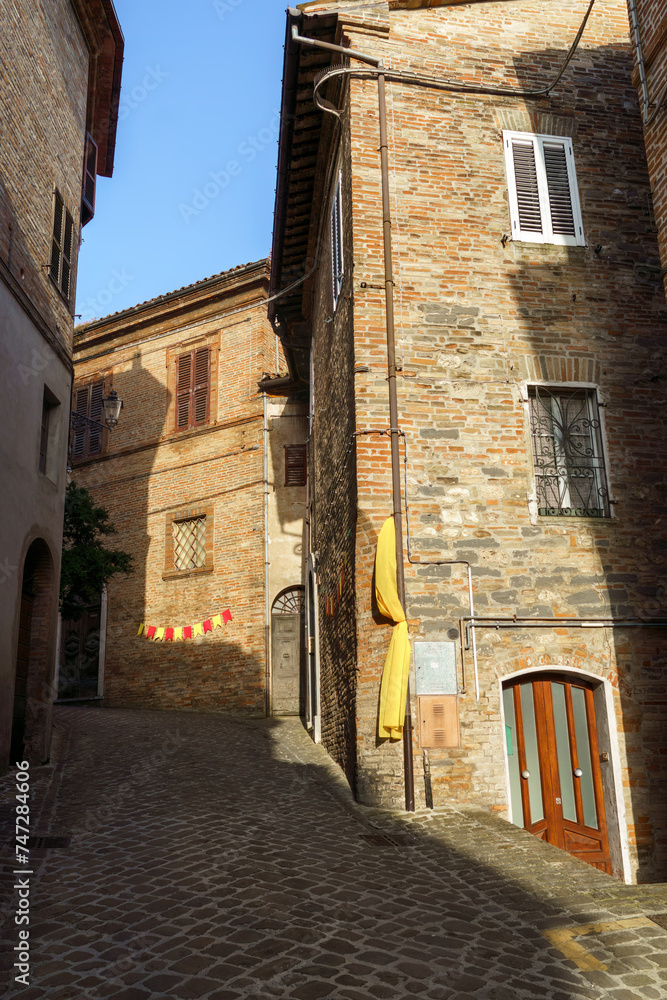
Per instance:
{"type": "Point", "coordinates": [35, 658]}
{"type": "Point", "coordinates": [287, 652]}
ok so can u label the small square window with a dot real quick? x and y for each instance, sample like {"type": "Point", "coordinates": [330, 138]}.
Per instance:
{"type": "Point", "coordinates": [542, 188]}
{"type": "Point", "coordinates": [190, 543]}
{"type": "Point", "coordinates": [568, 457]}
{"type": "Point", "coordinates": [337, 242]}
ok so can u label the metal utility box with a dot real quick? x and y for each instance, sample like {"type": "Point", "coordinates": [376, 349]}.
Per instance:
{"type": "Point", "coordinates": [435, 668]}
{"type": "Point", "coordinates": [439, 721]}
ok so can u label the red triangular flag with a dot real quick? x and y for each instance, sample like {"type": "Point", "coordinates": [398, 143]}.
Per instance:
{"type": "Point", "coordinates": [169, 634]}
{"type": "Point", "coordinates": [226, 616]}
{"type": "Point", "coordinates": [187, 631]}
{"type": "Point", "coordinates": [208, 627]}
{"type": "Point", "coordinates": [150, 631]}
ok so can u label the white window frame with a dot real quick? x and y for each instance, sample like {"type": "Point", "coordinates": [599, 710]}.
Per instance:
{"type": "Point", "coordinates": [547, 235]}
{"type": "Point", "coordinates": [336, 226]}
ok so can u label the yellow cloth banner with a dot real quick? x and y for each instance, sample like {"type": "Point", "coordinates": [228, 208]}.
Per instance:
{"type": "Point", "coordinates": [159, 634]}
{"type": "Point", "coordinates": [197, 629]}
{"type": "Point", "coordinates": [216, 621]}
{"type": "Point", "coordinates": [141, 628]}
{"type": "Point", "coordinates": [178, 633]}
{"type": "Point", "coordinates": [394, 687]}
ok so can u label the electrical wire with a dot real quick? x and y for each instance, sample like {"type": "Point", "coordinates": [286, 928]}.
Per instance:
{"type": "Point", "coordinates": [449, 85]}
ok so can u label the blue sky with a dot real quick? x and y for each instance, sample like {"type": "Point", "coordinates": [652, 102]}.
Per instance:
{"type": "Point", "coordinates": [194, 176]}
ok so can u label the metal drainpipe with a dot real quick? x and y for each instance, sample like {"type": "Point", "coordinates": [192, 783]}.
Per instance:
{"type": "Point", "coordinates": [408, 765]}
{"type": "Point", "coordinates": [267, 564]}
{"type": "Point", "coordinates": [634, 21]}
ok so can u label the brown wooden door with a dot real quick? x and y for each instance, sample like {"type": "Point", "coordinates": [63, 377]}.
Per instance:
{"type": "Point", "coordinates": [554, 763]}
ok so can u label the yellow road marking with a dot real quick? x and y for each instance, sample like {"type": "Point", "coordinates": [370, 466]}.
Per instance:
{"type": "Point", "coordinates": [563, 939]}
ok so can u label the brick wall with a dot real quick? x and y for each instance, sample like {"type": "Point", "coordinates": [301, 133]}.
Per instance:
{"type": "Point", "coordinates": [44, 123]}
{"type": "Point", "coordinates": [151, 474]}
{"type": "Point", "coordinates": [652, 19]}
{"type": "Point", "coordinates": [477, 321]}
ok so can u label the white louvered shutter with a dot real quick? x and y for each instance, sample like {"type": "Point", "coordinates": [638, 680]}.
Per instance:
{"type": "Point", "coordinates": [542, 188]}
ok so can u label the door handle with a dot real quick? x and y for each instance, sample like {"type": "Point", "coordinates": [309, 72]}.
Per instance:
{"type": "Point", "coordinates": [577, 772]}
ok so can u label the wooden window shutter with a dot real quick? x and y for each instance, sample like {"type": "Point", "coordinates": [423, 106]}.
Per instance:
{"type": "Point", "coordinates": [193, 382]}
{"type": "Point", "coordinates": [95, 413]}
{"type": "Point", "coordinates": [66, 263]}
{"type": "Point", "coordinates": [558, 185]}
{"type": "Point", "coordinates": [200, 391]}
{"type": "Point", "coordinates": [62, 243]}
{"type": "Point", "coordinates": [81, 406]}
{"type": "Point", "coordinates": [296, 468]}
{"type": "Point", "coordinates": [542, 189]}
{"type": "Point", "coordinates": [527, 190]}
{"type": "Point", "coordinates": [183, 390]}
{"type": "Point", "coordinates": [56, 241]}
{"type": "Point", "coordinates": [336, 221]}
{"type": "Point", "coordinates": [86, 438]}
{"type": "Point", "coordinates": [89, 181]}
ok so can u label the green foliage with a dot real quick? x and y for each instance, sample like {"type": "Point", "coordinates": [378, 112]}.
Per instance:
{"type": "Point", "coordinates": [87, 564]}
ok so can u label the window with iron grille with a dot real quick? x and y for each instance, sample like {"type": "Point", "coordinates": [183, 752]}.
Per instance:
{"type": "Point", "coordinates": [568, 456]}
{"type": "Point", "coordinates": [87, 438]}
{"type": "Point", "coordinates": [296, 468]}
{"type": "Point", "coordinates": [190, 543]}
{"type": "Point", "coordinates": [542, 188]}
{"type": "Point", "coordinates": [193, 383]}
{"type": "Point", "coordinates": [337, 242]}
{"type": "Point", "coordinates": [89, 181]}
{"type": "Point", "coordinates": [62, 243]}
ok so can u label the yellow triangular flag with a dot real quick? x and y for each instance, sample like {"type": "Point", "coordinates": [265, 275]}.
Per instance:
{"type": "Point", "coordinates": [178, 633]}
{"type": "Point", "coordinates": [159, 634]}
{"type": "Point", "coordinates": [141, 628]}
{"type": "Point", "coordinates": [216, 621]}
{"type": "Point", "coordinates": [197, 629]}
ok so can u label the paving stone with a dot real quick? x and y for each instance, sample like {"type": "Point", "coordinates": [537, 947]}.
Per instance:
{"type": "Point", "coordinates": [276, 894]}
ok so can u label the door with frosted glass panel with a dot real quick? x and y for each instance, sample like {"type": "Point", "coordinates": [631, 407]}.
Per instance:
{"type": "Point", "coordinates": [554, 765]}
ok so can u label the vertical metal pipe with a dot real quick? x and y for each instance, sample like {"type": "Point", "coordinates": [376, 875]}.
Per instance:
{"type": "Point", "coordinates": [393, 421]}
{"type": "Point", "coordinates": [267, 565]}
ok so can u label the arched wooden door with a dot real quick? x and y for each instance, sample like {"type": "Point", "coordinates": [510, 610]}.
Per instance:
{"type": "Point", "coordinates": [554, 764]}
{"type": "Point", "coordinates": [287, 666]}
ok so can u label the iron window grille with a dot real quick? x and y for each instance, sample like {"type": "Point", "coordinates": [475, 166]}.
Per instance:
{"type": "Point", "coordinates": [542, 189]}
{"type": "Point", "coordinates": [568, 457]}
{"type": "Point", "coordinates": [62, 243]}
{"type": "Point", "coordinates": [190, 543]}
{"type": "Point", "coordinates": [337, 242]}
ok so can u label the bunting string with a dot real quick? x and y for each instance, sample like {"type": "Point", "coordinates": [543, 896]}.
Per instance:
{"type": "Point", "coordinates": [180, 633]}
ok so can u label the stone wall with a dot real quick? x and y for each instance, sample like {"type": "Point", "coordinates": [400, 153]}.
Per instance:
{"type": "Point", "coordinates": [478, 320]}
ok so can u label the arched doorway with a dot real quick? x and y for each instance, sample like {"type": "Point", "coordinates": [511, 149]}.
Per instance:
{"type": "Point", "coordinates": [33, 694]}
{"type": "Point", "coordinates": [287, 625]}
{"type": "Point", "coordinates": [556, 788]}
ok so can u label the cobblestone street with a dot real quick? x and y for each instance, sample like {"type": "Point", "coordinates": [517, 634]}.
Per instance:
{"type": "Point", "coordinates": [221, 859]}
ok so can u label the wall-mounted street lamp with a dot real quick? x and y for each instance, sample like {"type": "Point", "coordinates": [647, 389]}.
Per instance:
{"type": "Point", "coordinates": [111, 407]}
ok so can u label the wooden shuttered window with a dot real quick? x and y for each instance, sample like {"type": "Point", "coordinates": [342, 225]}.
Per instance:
{"type": "Point", "coordinates": [336, 223]}
{"type": "Point", "coordinates": [62, 241]}
{"type": "Point", "coordinates": [542, 188]}
{"type": "Point", "coordinates": [89, 181]}
{"type": "Point", "coordinates": [296, 464]}
{"type": "Point", "coordinates": [87, 438]}
{"type": "Point", "coordinates": [193, 388]}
